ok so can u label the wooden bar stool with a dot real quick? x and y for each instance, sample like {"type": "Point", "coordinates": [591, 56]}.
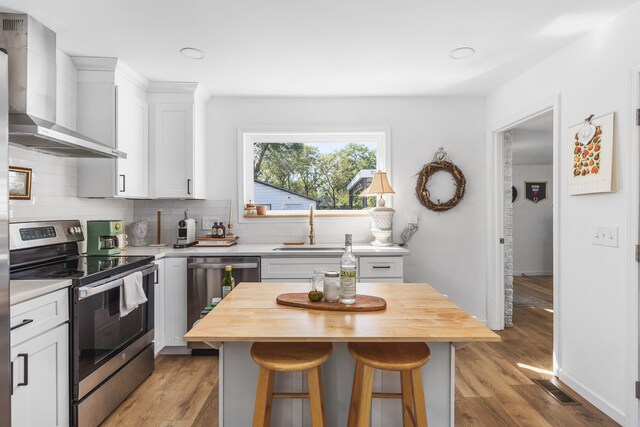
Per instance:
{"type": "Point", "coordinates": [289, 357]}
{"type": "Point", "coordinates": [408, 359]}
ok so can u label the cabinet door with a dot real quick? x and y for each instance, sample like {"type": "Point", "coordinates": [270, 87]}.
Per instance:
{"type": "Point", "coordinates": [132, 138]}
{"type": "Point", "coordinates": [159, 308]}
{"type": "Point", "coordinates": [199, 154]}
{"type": "Point", "coordinates": [175, 307]}
{"type": "Point", "coordinates": [172, 144]}
{"type": "Point", "coordinates": [381, 280]}
{"type": "Point", "coordinates": [41, 378]}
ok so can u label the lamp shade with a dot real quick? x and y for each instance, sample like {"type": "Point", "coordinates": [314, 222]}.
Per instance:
{"type": "Point", "coordinates": [379, 185]}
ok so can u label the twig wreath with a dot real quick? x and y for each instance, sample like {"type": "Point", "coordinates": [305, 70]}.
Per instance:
{"type": "Point", "coordinates": [440, 163]}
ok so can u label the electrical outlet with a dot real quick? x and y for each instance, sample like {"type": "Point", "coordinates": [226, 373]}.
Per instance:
{"type": "Point", "coordinates": [412, 217]}
{"type": "Point", "coordinates": [604, 236]}
{"type": "Point", "coordinates": [207, 223]}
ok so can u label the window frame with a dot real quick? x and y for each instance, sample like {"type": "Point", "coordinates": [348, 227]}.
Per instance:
{"type": "Point", "coordinates": [248, 136]}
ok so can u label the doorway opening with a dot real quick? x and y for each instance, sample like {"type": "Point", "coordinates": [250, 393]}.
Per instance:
{"type": "Point", "coordinates": [528, 226]}
{"type": "Point", "coordinates": [533, 136]}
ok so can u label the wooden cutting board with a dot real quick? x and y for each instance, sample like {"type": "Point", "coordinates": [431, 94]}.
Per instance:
{"type": "Point", "coordinates": [363, 303]}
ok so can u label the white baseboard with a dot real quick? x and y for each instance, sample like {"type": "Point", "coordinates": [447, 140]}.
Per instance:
{"type": "Point", "coordinates": [175, 350]}
{"type": "Point", "coordinates": [594, 398]}
{"type": "Point", "coordinates": [532, 273]}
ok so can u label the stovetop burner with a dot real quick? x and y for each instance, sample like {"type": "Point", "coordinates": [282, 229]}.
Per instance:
{"type": "Point", "coordinates": [82, 268]}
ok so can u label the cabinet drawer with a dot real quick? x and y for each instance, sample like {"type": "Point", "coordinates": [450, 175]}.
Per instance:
{"type": "Point", "coordinates": [38, 315]}
{"type": "Point", "coordinates": [296, 268]}
{"type": "Point", "coordinates": [381, 267]}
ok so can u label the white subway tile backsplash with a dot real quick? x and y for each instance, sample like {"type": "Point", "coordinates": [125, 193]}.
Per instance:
{"type": "Point", "coordinates": [328, 230]}
{"type": "Point", "coordinates": [54, 190]}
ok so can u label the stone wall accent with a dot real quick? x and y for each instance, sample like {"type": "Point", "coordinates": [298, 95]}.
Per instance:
{"type": "Point", "coordinates": [508, 229]}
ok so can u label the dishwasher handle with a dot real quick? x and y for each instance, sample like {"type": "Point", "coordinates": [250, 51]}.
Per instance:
{"type": "Point", "coordinates": [221, 266]}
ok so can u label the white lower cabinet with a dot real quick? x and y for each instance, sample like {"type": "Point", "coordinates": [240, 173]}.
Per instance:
{"type": "Point", "coordinates": [371, 269]}
{"type": "Point", "coordinates": [158, 313]}
{"type": "Point", "coordinates": [175, 303]}
{"type": "Point", "coordinates": [295, 268]}
{"type": "Point", "coordinates": [40, 376]}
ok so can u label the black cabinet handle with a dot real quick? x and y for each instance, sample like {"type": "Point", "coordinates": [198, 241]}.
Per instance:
{"type": "Point", "coordinates": [26, 369]}
{"type": "Point", "coordinates": [188, 186]}
{"type": "Point", "coordinates": [382, 266]}
{"type": "Point", "coordinates": [24, 322]}
{"type": "Point", "coordinates": [124, 183]}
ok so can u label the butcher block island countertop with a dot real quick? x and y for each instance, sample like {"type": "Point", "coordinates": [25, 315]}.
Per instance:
{"type": "Point", "coordinates": [415, 312]}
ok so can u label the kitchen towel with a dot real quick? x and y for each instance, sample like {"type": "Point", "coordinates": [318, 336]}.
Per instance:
{"type": "Point", "coordinates": [131, 293]}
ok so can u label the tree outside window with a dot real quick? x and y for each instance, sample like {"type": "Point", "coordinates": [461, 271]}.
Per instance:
{"type": "Point", "coordinates": [324, 172]}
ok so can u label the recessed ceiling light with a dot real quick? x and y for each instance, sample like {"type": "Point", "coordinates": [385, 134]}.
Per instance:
{"type": "Point", "coordinates": [192, 52]}
{"type": "Point", "coordinates": [461, 52]}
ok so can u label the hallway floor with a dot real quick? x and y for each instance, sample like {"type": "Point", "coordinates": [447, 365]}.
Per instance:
{"type": "Point", "coordinates": [493, 381]}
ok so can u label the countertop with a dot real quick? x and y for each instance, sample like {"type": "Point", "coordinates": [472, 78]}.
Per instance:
{"type": "Point", "coordinates": [263, 249]}
{"type": "Point", "coordinates": [24, 290]}
{"type": "Point", "coordinates": [414, 313]}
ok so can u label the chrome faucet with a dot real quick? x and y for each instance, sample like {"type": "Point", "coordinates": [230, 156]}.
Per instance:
{"type": "Point", "coordinates": [312, 232]}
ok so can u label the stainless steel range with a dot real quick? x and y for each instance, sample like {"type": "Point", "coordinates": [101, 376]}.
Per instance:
{"type": "Point", "coordinates": [110, 355]}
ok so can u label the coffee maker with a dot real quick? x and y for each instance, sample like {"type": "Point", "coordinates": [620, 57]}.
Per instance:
{"type": "Point", "coordinates": [186, 232]}
{"type": "Point", "coordinates": [105, 237]}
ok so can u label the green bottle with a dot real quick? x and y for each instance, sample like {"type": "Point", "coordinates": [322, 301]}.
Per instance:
{"type": "Point", "coordinates": [228, 282]}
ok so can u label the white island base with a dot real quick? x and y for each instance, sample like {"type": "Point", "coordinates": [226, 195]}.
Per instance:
{"type": "Point", "coordinates": [239, 375]}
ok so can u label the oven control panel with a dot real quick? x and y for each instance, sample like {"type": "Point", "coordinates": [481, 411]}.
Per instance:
{"type": "Point", "coordinates": [37, 233]}
{"type": "Point", "coordinates": [24, 235]}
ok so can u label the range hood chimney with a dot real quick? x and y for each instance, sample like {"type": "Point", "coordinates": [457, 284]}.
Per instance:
{"type": "Point", "coordinates": [31, 48]}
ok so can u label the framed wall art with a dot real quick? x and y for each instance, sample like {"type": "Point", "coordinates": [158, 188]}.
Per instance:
{"type": "Point", "coordinates": [591, 156]}
{"type": "Point", "coordinates": [19, 183]}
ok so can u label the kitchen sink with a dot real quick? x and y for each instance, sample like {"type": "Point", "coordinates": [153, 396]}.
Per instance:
{"type": "Point", "coordinates": [308, 248]}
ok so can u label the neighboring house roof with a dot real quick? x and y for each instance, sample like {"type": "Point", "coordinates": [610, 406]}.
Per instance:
{"type": "Point", "coordinates": [284, 189]}
{"type": "Point", "coordinates": [363, 174]}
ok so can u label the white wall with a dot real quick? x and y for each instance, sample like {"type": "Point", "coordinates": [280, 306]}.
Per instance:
{"type": "Point", "coordinates": [445, 251]}
{"type": "Point", "coordinates": [54, 186]}
{"type": "Point", "coordinates": [592, 306]}
{"type": "Point", "coordinates": [532, 223]}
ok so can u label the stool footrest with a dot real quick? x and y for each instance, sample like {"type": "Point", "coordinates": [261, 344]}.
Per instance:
{"type": "Point", "coordinates": [386, 395]}
{"type": "Point", "coordinates": [290, 395]}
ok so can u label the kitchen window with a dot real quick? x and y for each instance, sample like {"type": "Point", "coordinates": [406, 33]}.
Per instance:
{"type": "Point", "coordinates": [290, 171]}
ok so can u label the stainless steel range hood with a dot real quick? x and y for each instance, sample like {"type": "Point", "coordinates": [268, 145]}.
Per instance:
{"type": "Point", "coordinates": [31, 48]}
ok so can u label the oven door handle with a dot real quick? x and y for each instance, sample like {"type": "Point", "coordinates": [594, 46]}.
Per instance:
{"type": "Point", "coordinates": [90, 290]}
{"type": "Point", "coordinates": [221, 266]}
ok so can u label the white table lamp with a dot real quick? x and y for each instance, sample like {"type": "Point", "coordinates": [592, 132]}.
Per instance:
{"type": "Point", "coordinates": [381, 216]}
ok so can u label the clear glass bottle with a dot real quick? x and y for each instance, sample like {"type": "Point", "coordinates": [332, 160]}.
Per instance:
{"type": "Point", "coordinates": [347, 273]}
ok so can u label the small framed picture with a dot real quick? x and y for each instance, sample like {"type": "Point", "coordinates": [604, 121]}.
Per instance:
{"type": "Point", "coordinates": [19, 183]}
{"type": "Point", "coordinates": [535, 191]}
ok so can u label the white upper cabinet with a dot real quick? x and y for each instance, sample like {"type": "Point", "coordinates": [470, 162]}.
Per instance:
{"type": "Point", "coordinates": [112, 108]}
{"type": "Point", "coordinates": [177, 140]}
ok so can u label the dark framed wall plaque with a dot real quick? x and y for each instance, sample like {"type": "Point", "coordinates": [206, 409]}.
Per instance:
{"type": "Point", "coordinates": [535, 191]}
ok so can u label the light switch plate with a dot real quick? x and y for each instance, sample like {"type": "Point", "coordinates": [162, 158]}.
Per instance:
{"type": "Point", "coordinates": [207, 222]}
{"type": "Point", "coordinates": [604, 236]}
{"type": "Point", "coordinates": [412, 217]}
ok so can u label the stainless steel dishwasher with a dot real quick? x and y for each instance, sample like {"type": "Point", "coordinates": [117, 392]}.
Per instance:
{"type": "Point", "coordinates": [204, 280]}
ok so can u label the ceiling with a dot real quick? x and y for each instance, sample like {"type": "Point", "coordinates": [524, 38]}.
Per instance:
{"type": "Point", "coordinates": [533, 141]}
{"type": "Point", "coordinates": [323, 48]}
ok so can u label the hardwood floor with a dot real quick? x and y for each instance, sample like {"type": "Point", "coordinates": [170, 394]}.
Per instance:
{"type": "Point", "coordinates": [494, 384]}
{"type": "Point", "coordinates": [181, 392]}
